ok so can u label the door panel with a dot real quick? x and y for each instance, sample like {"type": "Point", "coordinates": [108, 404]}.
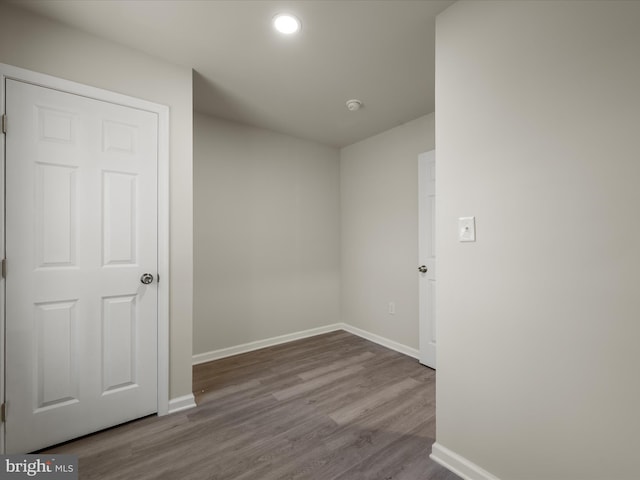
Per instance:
{"type": "Point", "coordinates": [427, 257]}
{"type": "Point", "coordinates": [81, 228]}
{"type": "Point", "coordinates": [119, 221]}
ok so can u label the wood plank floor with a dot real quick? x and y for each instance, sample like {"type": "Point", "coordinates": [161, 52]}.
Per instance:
{"type": "Point", "coordinates": [334, 406]}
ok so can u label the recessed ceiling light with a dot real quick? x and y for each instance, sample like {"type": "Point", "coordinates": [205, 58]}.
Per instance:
{"type": "Point", "coordinates": [286, 23]}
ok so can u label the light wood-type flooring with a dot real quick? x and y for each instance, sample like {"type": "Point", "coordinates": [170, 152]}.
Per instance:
{"type": "Point", "coordinates": [330, 407]}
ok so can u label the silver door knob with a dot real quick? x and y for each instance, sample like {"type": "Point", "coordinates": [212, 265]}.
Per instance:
{"type": "Point", "coordinates": [422, 269]}
{"type": "Point", "coordinates": [146, 278]}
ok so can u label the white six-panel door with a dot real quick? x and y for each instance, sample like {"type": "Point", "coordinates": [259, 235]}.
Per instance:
{"type": "Point", "coordinates": [427, 256]}
{"type": "Point", "coordinates": [81, 217]}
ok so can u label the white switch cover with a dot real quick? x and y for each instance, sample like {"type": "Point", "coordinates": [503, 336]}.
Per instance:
{"type": "Point", "coordinates": [467, 229]}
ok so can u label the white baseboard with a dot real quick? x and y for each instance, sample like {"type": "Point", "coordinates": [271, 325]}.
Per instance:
{"type": "Point", "coordinates": [184, 402]}
{"type": "Point", "coordinates": [458, 464]}
{"type": "Point", "coordinates": [385, 342]}
{"type": "Point", "coordinates": [268, 342]}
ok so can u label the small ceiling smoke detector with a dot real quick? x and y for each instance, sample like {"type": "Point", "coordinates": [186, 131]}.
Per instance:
{"type": "Point", "coordinates": [285, 23]}
{"type": "Point", "coordinates": [354, 105]}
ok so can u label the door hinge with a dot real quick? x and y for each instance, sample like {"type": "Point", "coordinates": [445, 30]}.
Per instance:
{"type": "Point", "coordinates": [4, 268]}
{"type": "Point", "coordinates": [3, 412]}
{"type": "Point", "coordinates": [4, 123]}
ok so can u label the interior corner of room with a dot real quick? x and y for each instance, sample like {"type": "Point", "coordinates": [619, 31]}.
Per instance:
{"type": "Point", "coordinates": [293, 237]}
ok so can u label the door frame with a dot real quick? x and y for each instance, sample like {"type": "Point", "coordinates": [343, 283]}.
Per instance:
{"type": "Point", "coordinates": [162, 111]}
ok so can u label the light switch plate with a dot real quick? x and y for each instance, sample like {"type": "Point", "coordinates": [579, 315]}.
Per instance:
{"type": "Point", "coordinates": [467, 229]}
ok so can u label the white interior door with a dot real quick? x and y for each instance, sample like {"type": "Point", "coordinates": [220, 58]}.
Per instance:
{"type": "Point", "coordinates": [81, 229]}
{"type": "Point", "coordinates": [427, 256]}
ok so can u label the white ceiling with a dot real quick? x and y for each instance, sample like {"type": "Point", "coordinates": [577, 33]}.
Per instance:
{"type": "Point", "coordinates": [379, 51]}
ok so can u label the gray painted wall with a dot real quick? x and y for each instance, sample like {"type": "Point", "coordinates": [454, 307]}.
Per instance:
{"type": "Point", "coordinates": [379, 230]}
{"type": "Point", "coordinates": [537, 127]}
{"type": "Point", "coordinates": [267, 245]}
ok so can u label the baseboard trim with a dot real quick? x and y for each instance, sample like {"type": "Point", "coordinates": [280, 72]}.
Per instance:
{"type": "Point", "coordinates": [268, 342]}
{"type": "Point", "coordinates": [458, 464]}
{"type": "Point", "coordinates": [385, 342]}
{"type": "Point", "coordinates": [184, 402]}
